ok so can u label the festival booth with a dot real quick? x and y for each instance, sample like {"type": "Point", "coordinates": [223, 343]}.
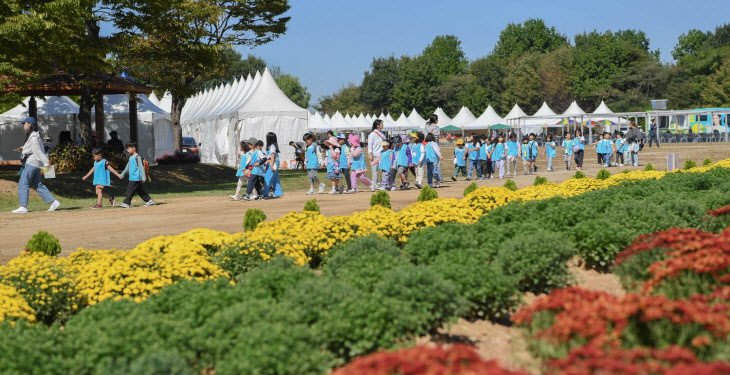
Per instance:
{"type": "Point", "coordinates": [487, 119]}
{"type": "Point", "coordinates": [514, 119]}
{"type": "Point", "coordinates": [540, 121]}
{"type": "Point", "coordinates": [415, 118]}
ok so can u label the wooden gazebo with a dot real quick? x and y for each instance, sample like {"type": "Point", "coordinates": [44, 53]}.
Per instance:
{"type": "Point", "coordinates": [60, 84]}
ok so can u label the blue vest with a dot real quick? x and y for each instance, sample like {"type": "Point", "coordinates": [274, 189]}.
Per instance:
{"type": "Point", "coordinates": [430, 154]}
{"type": "Point", "coordinates": [243, 163]}
{"type": "Point", "coordinates": [567, 147]}
{"type": "Point", "coordinates": [402, 159]}
{"type": "Point", "coordinates": [358, 163]}
{"type": "Point", "coordinates": [473, 155]}
{"type": "Point", "coordinates": [498, 153]}
{"type": "Point", "coordinates": [343, 156]}
{"type": "Point", "coordinates": [459, 153]}
{"type": "Point", "coordinates": [257, 157]}
{"type": "Point", "coordinates": [134, 174]}
{"type": "Point", "coordinates": [268, 153]}
{"type": "Point", "coordinates": [525, 151]}
{"type": "Point", "coordinates": [533, 149]}
{"type": "Point", "coordinates": [620, 145]}
{"type": "Point", "coordinates": [385, 161]}
{"type": "Point", "coordinates": [312, 162]}
{"type": "Point", "coordinates": [483, 152]}
{"type": "Point", "coordinates": [580, 142]}
{"type": "Point", "coordinates": [416, 152]}
{"type": "Point", "coordinates": [101, 174]}
{"type": "Point", "coordinates": [512, 148]}
{"type": "Point", "coordinates": [549, 151]}
{"type": "Point", "coordinates": [330, 161]}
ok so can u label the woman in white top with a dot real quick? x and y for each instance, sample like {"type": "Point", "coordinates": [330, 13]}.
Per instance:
{"type": "Point", "coordinates": [374, 149]}
{"type": "Point", "coordinates": [35, 159]}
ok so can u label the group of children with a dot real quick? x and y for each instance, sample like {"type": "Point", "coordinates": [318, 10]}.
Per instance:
{"type": "Point", "coordinates": [491, 156]}
{"type": "Point", "coordinates": [258, 169]}
{"type": "Point", "coordinates": [341, 154]}
{"type": "Point", "coordinates": [102, 179]}
{"type": "Point", "coordinates": [419, 154]}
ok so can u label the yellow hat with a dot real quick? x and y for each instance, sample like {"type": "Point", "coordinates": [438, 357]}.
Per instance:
{"type": "Point", "coordinates": [459, 141]}
{"type": "Point", "coordinates": [414, 135]}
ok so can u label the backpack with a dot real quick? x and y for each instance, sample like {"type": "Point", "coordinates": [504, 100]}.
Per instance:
{"type": "Point", "coordinates": [146, 166]}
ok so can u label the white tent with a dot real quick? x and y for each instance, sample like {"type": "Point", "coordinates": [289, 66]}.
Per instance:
{"type": "Point", "coordinates": [488, 118]}
{"type": "Point", "coordinates": [416, 118]}
{"type": "Point", "coordinates": [55, 114]}
{"type": "Point", "coordinates": [463, 118]}
{"type": "Point", "coordinates": [154, 128]}
{"type": "Point", "coordinates": [165, 102]}
{"type": "Point", "coordinates": [153, 99]}
{"type": "Point", "coordinates": [574, 110]}
{"type": "Point", "coordinates": [604, 113]}
{"type": "Point", "coordinates": [403, 123]}
{"type": "Point", "coordinates": [444, 119]}
{"type": "Point", "coordinates": [535, 124]}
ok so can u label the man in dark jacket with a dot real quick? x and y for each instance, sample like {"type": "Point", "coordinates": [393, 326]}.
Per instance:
{"type": "Point", "coordinates": [634, 137]}
{"type": "Point", "coordinates": [653, 133]}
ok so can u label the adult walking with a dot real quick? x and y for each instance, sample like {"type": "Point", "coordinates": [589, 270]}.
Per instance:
{"type": "Point", "coordinates": [33, 159]}
{"type": "Point", "coordinates": [374, 150]}
{"type": "Point", "coordinates": [115, 143]}
{"type": "Point", "coordinates": [432, 126]}
{"type": "Point", "coordinates": [633, 137]}
{"type": "Point", "coordinates": [653, 133]}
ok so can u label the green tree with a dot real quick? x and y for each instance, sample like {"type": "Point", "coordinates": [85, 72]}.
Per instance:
{"type": "Point", "coordinates": [530, 36]}
{"type": "Point", "coordinates": [720, 38]}
{"type": "Point", "coordinates": [555, 68]}
{"type": "Point", "coordinates": [172, 44]}
{"type": "Point", "coordinates": [376, 90]}
{"type": "Point", "coordinates": [293, 89]}
{"type": "Point", "coordinates": [523, 84]}
{"type": "Point", "coordinates": [689, 43]}
{"type": "Point", "coordinates": [346, 99]}
{"type": "Point", "coordinates": [489, 74]}
{"type": "Point", "coordinates": [716, 90]}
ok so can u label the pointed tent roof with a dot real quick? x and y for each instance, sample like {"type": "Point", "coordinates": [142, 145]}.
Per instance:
{"type": "Point", "coordinates": [574, 110]}
{"type": "Point", "coordinates": [153, 99]}
{"type": "Point", "coordinates": [404, 123]}
{"type": "Point", "coordinates": [119, 104]}
{"type": "Point", "coordinates": [316, 121]}
{"type": "Point", "coordinates": [389, 121]}
{"type": "Point", "coordinates": [604, 113]}
{"type": "Point", "coordinates": [543, 111]}
{"type": "Point", "coordinates": [268, 99]}
{"type": "Point", "coordinates": [416, 118]}
{"type": "Point", "coordinates": [602, 109]}
{"type": "Point", "coordinates": [488, 118]}
{"type": "Point", "coordinates": [166, 102]}
{"type": "Point", "coordinates": [53, 105]}
{"type": "Point", "coordinates": [362, 123]}
{"type": "Point", "coordinates": [444, 119]}
{"type": "Point", "coordinates": [463, 118]}
{"type": "Point", "coordinates": [515, 113]}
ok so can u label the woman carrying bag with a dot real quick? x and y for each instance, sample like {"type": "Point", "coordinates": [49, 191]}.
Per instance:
{"type": "Point", "coordinates": [35, 159]}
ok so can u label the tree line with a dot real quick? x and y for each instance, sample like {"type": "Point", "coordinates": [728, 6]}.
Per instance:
{"type": "Point", "coordinates": [532, 62]}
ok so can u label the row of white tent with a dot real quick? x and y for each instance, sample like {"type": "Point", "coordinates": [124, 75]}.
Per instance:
{"type": "Point", "coordinates": [465, 119]}
{"type": "Point", "coordinates": [221, 117]}
{"type": "Point", "coordinates": [60, 113]}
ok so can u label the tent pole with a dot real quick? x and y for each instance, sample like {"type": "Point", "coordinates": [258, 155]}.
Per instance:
{"type": "Point", "coordinates": [33, 108]}
{"type": "Point", "coordinates": [99, 117]}
{"type": "Point", "coordinates": [133, 132]}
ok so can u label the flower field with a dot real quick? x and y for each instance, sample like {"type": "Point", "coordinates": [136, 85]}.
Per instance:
{"type": "Point", "coordinates": [304, 293]}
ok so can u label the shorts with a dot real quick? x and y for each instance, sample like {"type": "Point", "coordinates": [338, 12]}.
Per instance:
{"type": "Point", "coordinates": [401, 170]}
{"type": "Point", "coordinates": [312, 174]}
{"type": "Point", "coordinates": [333, 175]}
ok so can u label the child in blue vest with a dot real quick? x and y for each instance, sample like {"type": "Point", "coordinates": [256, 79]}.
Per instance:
{"type": "Point", "coordinates": [567, 150]}
{"type": "Point", "coordinates": [137, 176]}
{"type": "Point", "coordinates": [333, 165]}
{"type": "Point", "coordinates": [485, 160]}
{"type": "Point", "coordinates": [385, 164]}
{"type": "Point", "coordinates": [579, 148]}
{"type": "Point", "coordinates": [620, 147]}
{"type": "Point", "coordinates": [345, 161]}
{"type": "Point", "coordinates": [101, 171]}
{"type": "Point", "coordinates": [244, 152]}
{"type": "Point", "coordinates": [460, 159]}
{"type": "Point", "coordinates": [357, 164]}
{"type": "Point", "coordinates": [513, 152]}
{"type": "Point", "coordinates": [258, 160]}
{"type": "Point", "coordinates": [418, 150]}
{"type": "Point", "coordinates": [311, 161]}
{"type": "Point", "coordinates": [436, 157]}
{"type": "Point", "coordinates": [473, 155]}
{"type": "Point", "coordinates": [550, 151]}
{"type": "Point", "coordinates": [534, 151]}
{"type": "Point", "coordinates": [403, 160]}
{"type": "Point", "coordinates": [526, 156]}
{"type": "Point", "coordinates": [499, 155]}
{"type": "Point", "coordinates": [607, 149]}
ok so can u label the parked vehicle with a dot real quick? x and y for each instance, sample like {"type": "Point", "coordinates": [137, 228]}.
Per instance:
{"type": "Point", "coordinates": [190, 146]}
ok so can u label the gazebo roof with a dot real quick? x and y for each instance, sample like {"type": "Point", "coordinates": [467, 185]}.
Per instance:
{"type": "Point", "coordinates": [60, 84]}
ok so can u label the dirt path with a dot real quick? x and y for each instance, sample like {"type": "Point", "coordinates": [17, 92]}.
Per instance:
{"type": "Point", "coordinates": [123, 229]}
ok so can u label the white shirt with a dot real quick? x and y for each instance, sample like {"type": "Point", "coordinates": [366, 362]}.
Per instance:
{"type": "Point", "coordinates": [374, 139]}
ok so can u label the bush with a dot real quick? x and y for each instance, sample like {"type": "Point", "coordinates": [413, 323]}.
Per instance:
{"type": "Point", "coordinates": [72, 158]}
{"type": "Point", "coordinates": [311, 205]}
{"type": "Point", "coordinates": [706, 162]}
{"type": "Point", "coordinates": [44, 243]}
{"type": "Point", "coordinates": [380, 198]}
{"type": "Point", "coordinates": [510, 184]}
{"type": "Point", "coordinates": [634, 270]}
{"type": "Point", "coordinates": [625, 171]}
{"type": "Point", "coordinates": [689, 164]}
{"type": "Point", "coordinates": [273, 278]}
{"type": "Point", "coordinates": [427, 194]}
{"type": "Point", "coordinates": [253, 217]}
{"type": "Point", "coordinates": [471, 187]}
{"type": "Point", "coordinates": [539, 181]}
{"type": "Point", "coordinates": [177, 158]}
{"type": "Point", "coordinates": [537, 261]}
{"type": "Point", "coordinates": [361, 262]}
{"type": "Point", "coordinates": [649, 167]}
{"type": "Point", "coordinates": [599, 240]}
{"type": "Point", "coordinates": [716, 221]}
{"type": "Point", "coordinates": [603, 174]}
{"type": "Point", "coordinates": [491, 294]}
{"type": "Point", "coordinates": [425, 245]}
{"type": "Point", "coordinates": [237, 258]}
{"type": "Point", "coordinates": [579, 174]}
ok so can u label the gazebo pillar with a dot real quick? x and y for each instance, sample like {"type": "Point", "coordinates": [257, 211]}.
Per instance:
{"type": "Point", "coordinates": [99, 118]}
{"type": "Point", "coordinates": [133, 133]}
{"type": "Point", "coordinates": [33, 108]}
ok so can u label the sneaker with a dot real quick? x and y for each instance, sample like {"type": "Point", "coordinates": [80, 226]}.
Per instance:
{"type": "Point", "coordinates": [149, 203]}
{"type": "Point", "coordinates": [322, 186]}
{"type": "Point", "coordinates": [123, 205]}
{"type": "Point", "coordinates": [333, 191]}
{"type": "Point", "coordinates": [54, 206]}
{"type": "Point", "coordinates": [405, 185]}
{"type": "Point", "coordinates": [96, 207]}
{"type": "Point", "coordinates": [418, 186]}
{"type": "Point", "coordinates": [20, 210]}
{"type": "Point", "coordinates": [234, 197]}
{"type": "Point", "coordinates": [246, 198]}
{"type": "Point", "coordinates": [382, 188]}
{"type": "Point", "coordinates": [437, 185]}
{"type": "Point", "coordinates": [453, 178]}
{"type": "Point", "coordinates": [260, 198]}
{"type": "Point", "coordinates": [620, 165]}
{"type": "Point", "coordinates": [309, 192]}
{"type": "Point", "coordinates": [468, 179]}
{"type": "Point", "coordinates": [393, 188]}
{"type": "Point", "coordinates": [372, 188]}
{"type": "Point", "coordinates": [514, 174]}
{"type": "Point", "coordinates": [113, 201]}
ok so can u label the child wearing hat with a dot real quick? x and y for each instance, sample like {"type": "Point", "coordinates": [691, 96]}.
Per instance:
{"type": "Point", "coordinates": [345, 161]}
{"type": "Point", "coordinates": [357, 164]}
{"type": "Point", "coordinates": [418, 150]}
{"type": "Point", "coordinates": [385, 164]}
{"type": "Point", "coordinates": [333, 165]}
{"type": "Point", "coordinates": [459, 159]}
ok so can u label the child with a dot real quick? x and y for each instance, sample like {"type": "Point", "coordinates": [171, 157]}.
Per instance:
{"type": "Point", "coordinates": [607, 149]}
{"type": "Point", "coordinates": [345, 161]}
{"type": "Point", "coordinates": [433, 155]}
{"type": "Point", "coordinates": [526, 156]}
{"type": "Point", "coordinates": [272, 183]}
{"type": "Point", "coordinates": [395, 144]}
{"type": "Point", "coordinates": [137, 176]}
{"type": "Point", "coordinates": [418, 150]}
{"type": "Point", "coordinates": [333, 165]}
{"type": "Point", "coordinates": [567, 150]}
{"type": "Point", "coordinates": [386, 161]}
{"type": "Point", "coordinates": [258, 159]}
{"type": "Point", "coordinates": [460, 159]}
{"type": "Point", "coordinates": [404, 159]}
{"type": "Point", "coordinates": [484, 159]}
{"type": "Point", "coordinates": [244, 154]}
{"type": "Point", "coordinates": [311, 161]}
{"type": "Point", "coordinates": [434, 147]}
{"type": "Point", "coordinates": [534, 151]}
{"type": "Point", "coordinates": [620, 148]}
{"type": "Point", "coordinates": [473, 155]}
{"type": "Point", "coordinates": [550, 151]}
{"type": "Point", "coordinates": [599, 149]}
{"type": "Point", "coordinates": [499, 154]}
{"type": "Point", "coordinates": [513, 151]}
{"type": "Point", "coordinates": [579, 148]}
{"type": "Point", "coordinates": [101, 171]}
{"type": "Point", "coordinates": [357, 164]}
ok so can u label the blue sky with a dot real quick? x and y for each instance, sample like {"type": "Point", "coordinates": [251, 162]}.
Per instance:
{"type": "Point", "coordinates": [332, 42]}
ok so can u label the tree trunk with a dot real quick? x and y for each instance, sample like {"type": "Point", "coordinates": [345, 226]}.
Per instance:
{"type": "Point", "coordinates": [178, 102]}
{"type": "Point", "coordinates": [85, 113]}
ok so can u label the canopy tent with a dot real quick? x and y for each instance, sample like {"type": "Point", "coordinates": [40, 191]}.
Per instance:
{"type": "Point", "coordinates": [165, 102]}
{"type": "Point", "coordinates": [488, 118]}
{"type": "Point", "coordinates": [604, 116]}
{"type": "Point", "coordinates": [463, 118]}
{"type": "Point", "coordinates": [153, 99]}
{"type": "Point", "coordinates": [444, 119]}
{"type": "Point", "coordinates": [574, 110]}
{"type": "Point", "coordinates": [221, 117]}
{"type": "Point", "coordinates": [415, 118]}
{"type": "Point", "coordinates": [498, 126]}
{"type": "Point", "coordinates": [403, 123]}
{"type": "Point", "coordinates": [538, 121]}
{"type": "Point", "coordinates": [55, 114]}
{"type": "Point", "coordinates": [451, 128]}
